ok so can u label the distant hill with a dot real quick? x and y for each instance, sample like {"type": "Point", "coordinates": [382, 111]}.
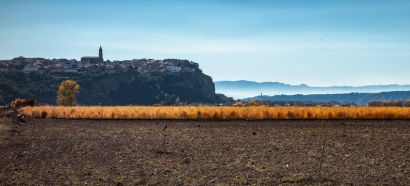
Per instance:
{"type": "Point", "coordinates": [357, 98]}
{"type": "Point", "coordinates": [245, 89]}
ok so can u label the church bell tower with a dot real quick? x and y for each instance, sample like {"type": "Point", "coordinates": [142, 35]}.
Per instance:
{"type": "Point", "coordinates": [100, 55]}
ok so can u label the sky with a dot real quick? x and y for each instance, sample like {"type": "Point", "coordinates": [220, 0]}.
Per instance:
{"type": "Point", "coordinates": [318, 43]}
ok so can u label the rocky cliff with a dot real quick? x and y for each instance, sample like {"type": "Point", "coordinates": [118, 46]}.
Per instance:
{"type": "Point", "coordinates": [125, 88]}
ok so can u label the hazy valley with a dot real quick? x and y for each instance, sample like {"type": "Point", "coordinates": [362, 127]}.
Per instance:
{"type": "Point", "coordinates": [247, 90]}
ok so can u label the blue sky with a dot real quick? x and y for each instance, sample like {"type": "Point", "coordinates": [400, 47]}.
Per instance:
{"type": "Point", "coordinates": [319, 43]}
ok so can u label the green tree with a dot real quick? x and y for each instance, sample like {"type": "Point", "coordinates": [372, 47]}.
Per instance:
{"type": "Point", "coordinates": [67, 92]}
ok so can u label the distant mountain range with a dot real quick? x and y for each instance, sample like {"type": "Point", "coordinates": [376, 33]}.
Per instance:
{"type": "Point", "coordinates": [281, 91]}
{"type": "Point", "coordinates": [356, 98]}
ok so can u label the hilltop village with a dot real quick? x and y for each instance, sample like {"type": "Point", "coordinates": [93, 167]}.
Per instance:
{"type": "Point", "coordinates": [105, 82]}
{"type": "Point", "coordinates": [143, 66]}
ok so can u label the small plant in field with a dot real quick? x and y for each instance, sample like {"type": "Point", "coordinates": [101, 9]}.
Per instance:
{"type": "Point", "coordinates": [323, 150]}
{"type": "Point", "coordinates": [203, 181]}
{"type": "Point", "coordinates": [3, 124]}
{"type": "Point", "coordinates": [164, 149]}
{"type": "Point", "coordinates": [251, 162]}
{"type": "Point", "coordinates": [289, 179]}
{"type": "Point", "coordinates": [240, 181]}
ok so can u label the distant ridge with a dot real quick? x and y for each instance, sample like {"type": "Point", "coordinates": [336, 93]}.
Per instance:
{"type": "Point", "coordinates": [357, 98]}
{"type": "Point", "coordinates": [245, 89]}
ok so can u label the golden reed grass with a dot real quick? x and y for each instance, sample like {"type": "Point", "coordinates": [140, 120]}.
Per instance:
{"type": "Point", "coordinates": [213, 112]}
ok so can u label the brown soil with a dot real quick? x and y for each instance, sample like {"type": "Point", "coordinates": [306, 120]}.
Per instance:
{"type": "Point", "coordinates": [131, 152]}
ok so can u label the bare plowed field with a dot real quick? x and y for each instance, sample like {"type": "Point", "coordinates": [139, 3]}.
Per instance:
{"type": "Point", "coordinates": [133, 152]}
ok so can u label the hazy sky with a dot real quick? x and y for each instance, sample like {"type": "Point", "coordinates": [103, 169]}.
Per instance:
{"type": "Point", "coordinates": [319, 43]}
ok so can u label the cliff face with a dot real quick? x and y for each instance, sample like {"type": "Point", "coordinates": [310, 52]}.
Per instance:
{"type": "Point", "coordinates": [131, 88]}
{"type": "Point", "coordinates": [98, 92]}
{"type": "Point", "coordinates": [101, 88]}
{"type": "Point", "coordinates": [190, 87]}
